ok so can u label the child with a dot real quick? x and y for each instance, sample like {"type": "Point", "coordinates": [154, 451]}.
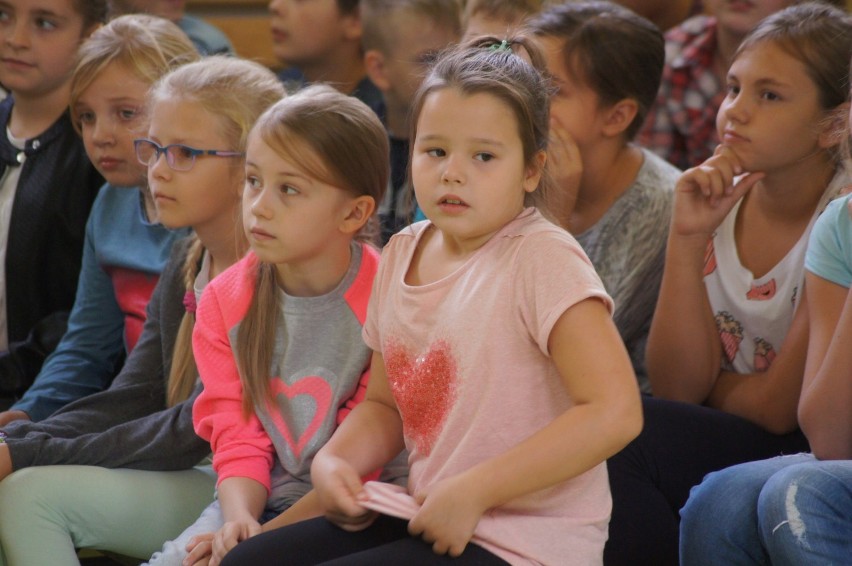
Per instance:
{"type": "Point", "coordinates": [47, 184]}
{"type": "Point", "coordinates": [496, 17]}
{"type": "Point", "coordinates": [605, 63]}
{"type": "Point", "coordinates": [794, 509]}
{"type": "Point", "coordinates": [726, 352]}
{"type": "Point", "coordinates": [320, 41]}
{"type": "Point", "coordinates": [495, 358]}
{"type": "Point", "coordinates": [124, 250]}
{"type": "Point", "coordinates": [208, 39]}
{"type": "Point", "coordinates": [144, 420]}
{"type": "Point", "coordinates": [681, 127]}
{"type": "Point", "coordinates": [401, 38]}
{"type": "Point", "coordinates": [316, 166]}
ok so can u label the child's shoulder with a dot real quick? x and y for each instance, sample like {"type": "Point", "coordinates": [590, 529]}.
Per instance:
{"type": "Point", "coordinates": [237, 280]}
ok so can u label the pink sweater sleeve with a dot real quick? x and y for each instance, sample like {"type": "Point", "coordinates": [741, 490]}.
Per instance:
{"type": "Point", "coordinates": [241, 448]}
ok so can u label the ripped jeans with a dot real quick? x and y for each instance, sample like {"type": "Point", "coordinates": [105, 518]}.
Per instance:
{"type": "Point", "coordinates": [788, 510]}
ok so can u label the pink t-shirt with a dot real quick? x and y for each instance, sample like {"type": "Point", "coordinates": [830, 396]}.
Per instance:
{"type": "Point", "coordinates": [469, 368]}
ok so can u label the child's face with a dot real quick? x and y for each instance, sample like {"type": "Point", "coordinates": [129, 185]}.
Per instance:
{"type": "Point", "coordinates": [740, 16]}
{"type": "Point", "coordinates": [111, 115]}
{"type": "Point", "coordinates": [771, 114]}
{"type": "Point", "coordinates": [415, 43]}
{"type": "Point", "coordinates": [467, 164]}
{"type": "Point", "coordinates": [205, 197]}
{"type": "Point", "coordinates": [291, 218]}
{"type": "Point", "coordinates": [38, 45]}
{"type": "Point", "coordinates": [575, 107]}
{"type": "Point", "coordinates": [307, 32]}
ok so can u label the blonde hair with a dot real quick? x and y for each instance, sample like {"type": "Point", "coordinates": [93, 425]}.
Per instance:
{"type": "Point", "coordinates": [338, 140]}
{"type": "Point", "coordinates": [147, 46]}
{"type": "Point", "coordinates": [237, 91]}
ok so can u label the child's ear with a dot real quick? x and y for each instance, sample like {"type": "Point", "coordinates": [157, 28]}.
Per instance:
{"type": "Point", "coordinates": [834, 127]}
{"type": "Point", "coordinates": [358, 213]}
{"type": "Point", "coordinates": [619, 116]}
{"type": "Point", "coordinates": [374, 64]}
{"type": "Point", "coordinates": [533, 174]}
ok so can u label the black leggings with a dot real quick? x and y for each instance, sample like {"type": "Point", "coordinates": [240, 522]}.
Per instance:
{"type": "Point", "coordinates": [651, 478]}
{"type": "Point", "coordinates": [318, 541]}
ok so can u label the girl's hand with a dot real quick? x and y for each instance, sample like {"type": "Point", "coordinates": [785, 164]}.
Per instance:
{"type": "Point", "coordinates": [566, 170]}
{"type": "Point", "coordinates": [448, 515]}
{"type": "Point", "coordinates": [339, 489]}
{"type": "Point", "coordinates": [232, 533]}
{"type": "Point", "coordinates": [705, 194]}
{"type": "Point", "coordinates": [200, 549]}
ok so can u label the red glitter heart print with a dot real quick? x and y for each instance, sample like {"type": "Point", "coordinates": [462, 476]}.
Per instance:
{"type": "Point", "coordinates": [424, 389]}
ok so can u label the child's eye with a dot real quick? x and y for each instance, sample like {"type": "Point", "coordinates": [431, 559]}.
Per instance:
{"type": "Point", "coordinates": [769, 95]}
{"type": "Point", "coordinates": [483, 156]}
{"type": "Point", "coordinates": [252, 182]}
{"type": "Point", "coordinates": [289, 190]}
{"type": "Point", "coordinates": [733, 89]}
{"type": "Point", "coordinates": [85, 117]}
{"type": "Point", "coordinates": [128, 114]}
{"type": "Point", "coordinates": [436, 152]}
{"type": "Point", "coordinates": [5, 16]}
{"type": "Point", "coordinates": [45, 24]}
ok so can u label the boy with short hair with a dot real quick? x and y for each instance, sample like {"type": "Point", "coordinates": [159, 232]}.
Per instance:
{"type": "Point", "coordinates": [320, 41]}
{"type": "Point", "coordinates": [401, 38]}
{"type": "Point", "coordinates": [497, 17]}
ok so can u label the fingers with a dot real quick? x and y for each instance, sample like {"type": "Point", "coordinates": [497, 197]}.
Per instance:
{"type": "Point", "coordinates": [199, 554]}
{"type": "Point", "coordinates": [714, 179]}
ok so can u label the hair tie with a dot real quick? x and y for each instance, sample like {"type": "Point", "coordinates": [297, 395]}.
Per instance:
{"type": "Point", "coordinates": [504, 45]}
{"type": "Point", "coordinates": [189, 302]}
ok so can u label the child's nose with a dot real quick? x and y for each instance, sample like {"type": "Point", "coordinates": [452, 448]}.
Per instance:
{"type": "Point", "coordinates": [18, 34]}
{"type": "Point", "coordinates": [453, 171]}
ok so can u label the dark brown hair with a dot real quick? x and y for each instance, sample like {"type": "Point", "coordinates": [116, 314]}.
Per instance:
{"type": "Point", "coordinates": [609, 48]}
{"type": "Point", "coordinates": [492, 66]}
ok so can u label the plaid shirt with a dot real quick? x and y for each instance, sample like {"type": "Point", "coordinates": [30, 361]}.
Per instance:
{"type": "Point", "coordinates": [681, 126]}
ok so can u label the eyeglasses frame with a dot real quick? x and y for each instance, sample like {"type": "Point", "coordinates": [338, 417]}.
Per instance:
{"type": "Point", "coordinates": [164, 150]}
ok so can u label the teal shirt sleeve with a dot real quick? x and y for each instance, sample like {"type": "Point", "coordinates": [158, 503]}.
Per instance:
{"type": "Point", "coordinates": [829, 254]}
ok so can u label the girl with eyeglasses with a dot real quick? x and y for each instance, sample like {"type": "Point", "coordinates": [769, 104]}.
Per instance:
{"type": "Point", "coordinates": [144, 420]}
{"type": "Point", "coordinates": [278, 337]}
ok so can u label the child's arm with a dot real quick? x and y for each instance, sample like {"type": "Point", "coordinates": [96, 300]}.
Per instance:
{"type": "Point", "coordinates": [827, 391]}
{"type": "Point", "coordinates": [597, 373]}
{"type": "Point", "coordinates": [370, 437]}
{"type": "Point", "coordinates": [769, 399]}
{"type": "Point", "coordinates": [241, 447]}
{"type": "Point", "coordinates": [684, 352]}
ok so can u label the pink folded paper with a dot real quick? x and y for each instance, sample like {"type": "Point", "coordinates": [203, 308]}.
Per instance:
{"type": "Point", "coordinates": [391, 499]}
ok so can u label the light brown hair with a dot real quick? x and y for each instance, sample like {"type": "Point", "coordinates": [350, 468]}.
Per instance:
{"type": "Point", "coordinates": [339, 141]}
{"type": "Point", "coordinates": [377, 19]}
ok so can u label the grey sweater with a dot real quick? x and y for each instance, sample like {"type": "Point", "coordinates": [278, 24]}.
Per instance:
{"type": "Point", "coordinates": [127, 425]}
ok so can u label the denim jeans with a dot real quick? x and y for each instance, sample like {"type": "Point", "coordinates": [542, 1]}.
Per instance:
{"type": "Point", "coordinates": [788, 510]}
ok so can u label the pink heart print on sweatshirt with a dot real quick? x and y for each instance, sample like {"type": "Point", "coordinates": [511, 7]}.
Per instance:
{"type": "Point", "coordinates": [424, 387]}
{"type": "Point", "coordinates": [298, 426]}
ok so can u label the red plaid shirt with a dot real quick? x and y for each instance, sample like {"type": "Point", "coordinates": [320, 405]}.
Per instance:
{"type": "Point", "coordinates": [681, 126]}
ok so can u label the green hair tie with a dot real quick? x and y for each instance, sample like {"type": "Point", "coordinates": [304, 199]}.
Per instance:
{"type": "Point", "coordinates": [502, 46]}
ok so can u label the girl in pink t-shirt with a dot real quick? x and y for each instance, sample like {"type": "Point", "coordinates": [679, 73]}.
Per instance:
{"type": "Point", "coordinates": [496, 363]}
